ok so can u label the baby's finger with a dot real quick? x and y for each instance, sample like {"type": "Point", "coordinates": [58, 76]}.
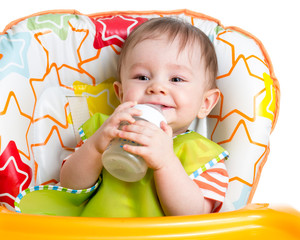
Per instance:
{"type": "Point", "coordinates": [140, 138]}
{"type": "Point", "coordinates": [125, 105]}
{"type": "Point", "coordinates": [147, 124]}
{"type": "Point", "coordinates": [125, 114]}
{"type": "Point", "coordinates": [137, 150]}
{"type": "Point", "coordinates": [142, 128]}
{"type": "Point", "coordinates": [117, 117]}
{"type": "Point", "coordinates": [129, 106]}
{"type": "Point", "coordinates": [166, 128]}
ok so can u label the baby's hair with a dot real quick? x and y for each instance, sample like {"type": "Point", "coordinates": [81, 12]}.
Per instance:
{"type": "Point", "coordinates": [174, 27]}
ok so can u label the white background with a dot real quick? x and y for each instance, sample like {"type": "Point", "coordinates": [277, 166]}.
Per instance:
{"type": "Point", "coordinates": [276, 23]}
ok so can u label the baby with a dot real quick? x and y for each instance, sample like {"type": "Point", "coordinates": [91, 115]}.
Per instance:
{"type": "Point", "coordinates": [173, 65]}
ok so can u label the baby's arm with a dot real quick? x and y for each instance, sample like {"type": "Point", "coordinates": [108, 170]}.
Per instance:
{"type": "Point", "coordinates": [84, 166]}
{"type": "Point", "coordinates": [177, 192]}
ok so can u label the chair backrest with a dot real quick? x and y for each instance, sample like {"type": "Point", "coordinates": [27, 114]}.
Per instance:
{"type": "Point", "coordinates": [54, 63]}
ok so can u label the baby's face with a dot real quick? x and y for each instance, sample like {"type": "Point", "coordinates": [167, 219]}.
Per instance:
{"type": "Point", "coordinates": [155, 72]}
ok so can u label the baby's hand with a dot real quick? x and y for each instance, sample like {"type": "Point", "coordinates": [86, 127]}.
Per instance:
{"type": "Point", "coordinates": [110, 128]}
{"type": "Point", "coordinates": [156, 143]}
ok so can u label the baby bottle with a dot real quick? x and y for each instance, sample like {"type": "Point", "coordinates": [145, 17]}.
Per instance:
{"type": "Point", "coordinates": [123, 165]}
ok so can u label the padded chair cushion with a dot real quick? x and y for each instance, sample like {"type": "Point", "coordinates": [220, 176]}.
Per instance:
{"type": "Point", "coordinates": [50, 56]}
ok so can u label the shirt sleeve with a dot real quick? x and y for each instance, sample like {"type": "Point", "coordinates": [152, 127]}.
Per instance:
{"type": "Point", "coordinates": [214, 183]}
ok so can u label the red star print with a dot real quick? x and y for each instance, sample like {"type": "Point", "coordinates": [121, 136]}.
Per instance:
{"type": "Point", "coordinates": [113, 30]}
{"type": "Point", "coordinates": [15, 176]}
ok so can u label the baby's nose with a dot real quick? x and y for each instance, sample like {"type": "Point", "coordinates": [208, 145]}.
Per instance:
{"type": "Point", "coordinates": [157, 88]}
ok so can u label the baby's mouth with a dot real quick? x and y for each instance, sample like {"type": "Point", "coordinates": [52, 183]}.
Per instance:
{"type": "Point", "coordinates": [161, 106]}
{"type": "Point", "coordinates": [164, 107]}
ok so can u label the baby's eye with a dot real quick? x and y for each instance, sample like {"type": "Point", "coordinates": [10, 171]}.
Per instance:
{"type": "Point", "coordinates": [177, 79]}
{"type": "Point", "coordinates": [142, 78]}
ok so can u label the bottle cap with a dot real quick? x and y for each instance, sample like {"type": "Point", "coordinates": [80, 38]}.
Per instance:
{"type": "Point", "coordinates": [151, 113]}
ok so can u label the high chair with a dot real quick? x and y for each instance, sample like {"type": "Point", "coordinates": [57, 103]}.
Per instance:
{"type": "Point", "coordinates": [57, 69]}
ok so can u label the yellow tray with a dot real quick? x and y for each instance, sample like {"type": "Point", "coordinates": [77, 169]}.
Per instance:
{"type": "Point", "coordinates": [256, 221]}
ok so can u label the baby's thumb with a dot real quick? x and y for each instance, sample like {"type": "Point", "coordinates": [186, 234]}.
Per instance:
{"type": "Point", "coordinates": [166, 128]}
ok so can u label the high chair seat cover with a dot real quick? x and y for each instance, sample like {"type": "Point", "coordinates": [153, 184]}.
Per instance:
{"type": "Point", "coordinates": [50, 58]}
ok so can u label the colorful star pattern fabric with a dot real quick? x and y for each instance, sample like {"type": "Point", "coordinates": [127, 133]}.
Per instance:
{"type": "Point", "coordinates": [47, 58]}
{"type": "Point", "coordinates": [98, 94]}
{"type": "Point", "coordinates": [57, 23]}
{"type": "Point", "coordinates": [113, 30]}
{"type": "Point", "coordinates": [13, 54]}
{"type": "Point", "coordinates": [15, 176]}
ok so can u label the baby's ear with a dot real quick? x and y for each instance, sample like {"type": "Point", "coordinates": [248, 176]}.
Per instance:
{"type": "Point", "coordinates": [118, 90]}
{"type": "Point", "coordinates": [210, 99]}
